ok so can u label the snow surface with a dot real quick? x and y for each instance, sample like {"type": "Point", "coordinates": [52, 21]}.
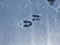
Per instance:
{"type": "Point", "coordinates": [43, 32]}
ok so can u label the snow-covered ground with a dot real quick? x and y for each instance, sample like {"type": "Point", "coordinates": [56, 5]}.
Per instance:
{"type": "Point", "coordinates": [45, 31]}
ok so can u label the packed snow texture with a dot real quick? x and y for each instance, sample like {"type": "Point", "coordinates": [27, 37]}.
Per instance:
{"type": "Point", "coordinates": [45, 31]}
